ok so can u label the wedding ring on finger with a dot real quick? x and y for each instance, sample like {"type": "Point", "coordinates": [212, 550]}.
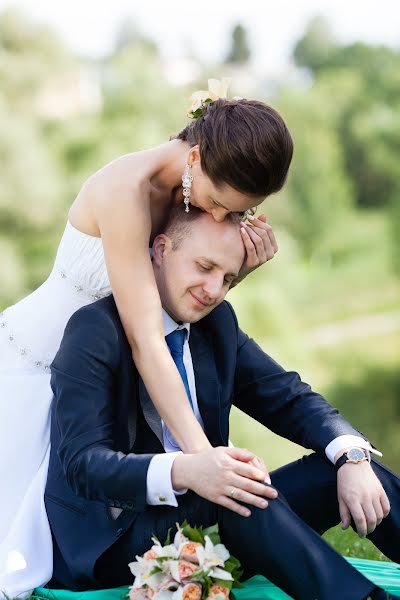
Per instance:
{"type": "Point", "coordinates": [232, 492]}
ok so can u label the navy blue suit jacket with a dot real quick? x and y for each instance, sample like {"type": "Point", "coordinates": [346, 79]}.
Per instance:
{"type": "Point", "coordinates": [105, 429]}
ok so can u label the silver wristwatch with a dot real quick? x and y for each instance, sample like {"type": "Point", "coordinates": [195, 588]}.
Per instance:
{"type": "Point", "coordinates": [354, 455]}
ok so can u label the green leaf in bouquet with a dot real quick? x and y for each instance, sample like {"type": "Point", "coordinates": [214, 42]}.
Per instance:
{"type": "Point", "coordinates": [213, 533]}
{"type": "Point", "coordinates": [168, 538]}
{"type": "Point", "coordinates": [194, 534]}
{"type": "Point", "coordinates": [232, 563]}
{"type": "Point", "coordinates": [155, 570]}
{"type": "Point", "coordinates": [198, 575]}
{"type": "Point", "coordinates": [233, 566]}
{"type": "Point", "coordinates": [206, 586]}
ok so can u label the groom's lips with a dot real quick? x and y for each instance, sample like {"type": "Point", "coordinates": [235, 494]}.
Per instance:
{"type": "Point", "coordinates": [198, 301]}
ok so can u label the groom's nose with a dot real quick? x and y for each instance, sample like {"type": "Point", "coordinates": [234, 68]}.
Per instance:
{"type": "Point", "coordinates": [212, 287]}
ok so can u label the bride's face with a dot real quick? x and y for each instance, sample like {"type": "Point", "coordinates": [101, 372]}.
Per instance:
{"type": "Point", "coordinates": [217, 201]}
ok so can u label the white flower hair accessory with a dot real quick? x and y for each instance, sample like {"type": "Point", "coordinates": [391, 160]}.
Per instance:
{"type": "Point", "coordinates": [216, 89]}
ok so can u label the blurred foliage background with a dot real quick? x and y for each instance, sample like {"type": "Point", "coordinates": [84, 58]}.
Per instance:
{"type": "Point", "coordinates": [328, 304]}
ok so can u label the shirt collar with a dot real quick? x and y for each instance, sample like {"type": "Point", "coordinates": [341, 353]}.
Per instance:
{"type": "Point", "coordinates": [170, 325]}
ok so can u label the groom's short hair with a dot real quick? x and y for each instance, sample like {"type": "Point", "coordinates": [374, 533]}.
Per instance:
{"type": "Point", "coordinates": [180, 223]}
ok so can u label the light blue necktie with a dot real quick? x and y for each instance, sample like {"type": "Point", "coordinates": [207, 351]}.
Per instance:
{"type": "Point", "coordinates": [175, 341]}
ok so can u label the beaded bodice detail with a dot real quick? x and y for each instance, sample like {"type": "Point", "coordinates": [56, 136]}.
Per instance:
{"type": "Point", "coordinates": [34, 326]}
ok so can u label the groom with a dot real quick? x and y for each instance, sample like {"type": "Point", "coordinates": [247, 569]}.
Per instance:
{"type": "Point", "coordinates": [116, 475]}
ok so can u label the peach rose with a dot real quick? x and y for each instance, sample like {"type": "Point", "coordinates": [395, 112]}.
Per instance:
{"type": "Point", "coordinates": [150, 554]}
{"type": "Point", "coordinates": [191, 591]}
{"type": "Point", "coordinates": [218, 589]}
{"type": "Point", "coordinates": [186, 569]}
{"type": "Point", "coordinates": [140, 593]}
{"type": "Point", "coordinates": [188, 551]}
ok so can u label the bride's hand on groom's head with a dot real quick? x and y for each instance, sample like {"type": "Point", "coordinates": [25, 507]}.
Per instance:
{"type": "Point", "coordinates": [260, 243]}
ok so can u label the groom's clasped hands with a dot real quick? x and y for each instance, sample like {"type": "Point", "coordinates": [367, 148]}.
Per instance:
{"type": "Point", "coordinates": [225, 475]}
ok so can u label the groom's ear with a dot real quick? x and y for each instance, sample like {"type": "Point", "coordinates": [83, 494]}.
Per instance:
{"type": "Point", "coordinates": [161, 246]}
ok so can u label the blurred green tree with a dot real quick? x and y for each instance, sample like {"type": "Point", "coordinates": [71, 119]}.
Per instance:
{"type": "Point", "coordinates": [29, 54]}
{"type": "Point", "coordinates": [368, 126]}
{"type": "Point", "coordinates": [31, 188]}
{"type": "Point", "coordinates": [316, 47]}
{"type": "Point", "coordinates": [319, 191]}
{"type": "Point", "coordinates": [239, 52]}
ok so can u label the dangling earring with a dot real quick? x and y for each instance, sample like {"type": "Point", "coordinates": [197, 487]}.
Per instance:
{"type": "Point", "coordinates": [187, 179]}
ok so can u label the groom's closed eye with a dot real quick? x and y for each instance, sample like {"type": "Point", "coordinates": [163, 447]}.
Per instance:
{"type": "Point", "coordinates": [204, 267]}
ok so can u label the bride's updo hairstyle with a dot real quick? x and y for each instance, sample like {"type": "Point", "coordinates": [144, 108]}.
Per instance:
{"type": "Point", "coordinates": [243, 143]}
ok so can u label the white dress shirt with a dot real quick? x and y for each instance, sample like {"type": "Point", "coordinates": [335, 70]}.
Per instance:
{"type": "Point", "coordinates": [159, 484]}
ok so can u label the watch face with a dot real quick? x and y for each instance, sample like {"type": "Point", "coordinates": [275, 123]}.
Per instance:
{"type": "Point", "coordinates": [355, 454]}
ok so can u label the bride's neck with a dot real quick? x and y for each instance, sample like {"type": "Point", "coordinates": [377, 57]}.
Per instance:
{"type": "Point", "coordinates": [166, 174]}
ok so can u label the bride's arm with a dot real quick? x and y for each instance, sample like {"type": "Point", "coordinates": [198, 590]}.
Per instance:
{"type": "Point", "coordinates": [124, 221]}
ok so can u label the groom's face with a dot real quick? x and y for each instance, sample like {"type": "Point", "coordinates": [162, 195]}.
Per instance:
{"type": "Point", "coordinates": [195, 277]}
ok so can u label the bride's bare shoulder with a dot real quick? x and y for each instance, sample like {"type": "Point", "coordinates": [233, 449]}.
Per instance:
{"type": "Point", "coordinates": [121, 181]}
{"type": "Point", "coordinates": [129, 171]}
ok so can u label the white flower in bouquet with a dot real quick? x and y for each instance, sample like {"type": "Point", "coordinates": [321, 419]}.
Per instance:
{"type": "Point", "coordinates": [170, 551]}
{"type": "Point", "coordinates": [180, 538]}
{"type": "Point", "coordinates": [212, 557]}
{"type": "Point", "coordinates": [144, 571]}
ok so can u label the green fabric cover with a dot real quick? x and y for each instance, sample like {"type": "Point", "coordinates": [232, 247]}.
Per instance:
{"type": "Point", "coordinates": [384, 574]}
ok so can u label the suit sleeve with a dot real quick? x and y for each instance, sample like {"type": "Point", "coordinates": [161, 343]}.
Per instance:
{"type": "Point", "coordinates": [83, 376]}
{"type": "Point", "coordinates": [281, 401]}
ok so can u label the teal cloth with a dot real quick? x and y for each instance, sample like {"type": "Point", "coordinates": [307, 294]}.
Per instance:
{"type": "Point", "coordinates": [384, 574]}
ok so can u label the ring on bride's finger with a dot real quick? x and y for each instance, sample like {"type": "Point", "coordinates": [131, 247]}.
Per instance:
{"type": "Point", "coordinates": [233, 490]}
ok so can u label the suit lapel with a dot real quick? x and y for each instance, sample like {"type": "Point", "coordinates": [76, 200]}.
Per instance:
{"type": "Point", "coordinates": [149, 411]}
{"type": "Point", "coordinates": [207, 385]}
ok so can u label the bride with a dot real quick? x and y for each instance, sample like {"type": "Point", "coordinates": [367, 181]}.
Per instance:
{"type": "Point", "coordinates": [229, 158]}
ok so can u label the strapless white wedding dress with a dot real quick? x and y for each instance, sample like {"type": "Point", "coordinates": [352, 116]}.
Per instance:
{"type": "Point", "coordinates": [30, 335]}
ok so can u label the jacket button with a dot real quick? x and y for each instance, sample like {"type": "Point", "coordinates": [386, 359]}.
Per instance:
{"type": "Point", "coordinates": [120, 531]}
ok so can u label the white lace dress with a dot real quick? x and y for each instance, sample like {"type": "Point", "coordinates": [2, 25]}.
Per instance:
{"type": "Point", "coordinates": [30, 334]}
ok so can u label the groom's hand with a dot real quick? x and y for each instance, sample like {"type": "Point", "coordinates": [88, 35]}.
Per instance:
{"type": "Point", "coordinates": [361, 497]}
{"type": "Point", "coordinates": [216, 473]}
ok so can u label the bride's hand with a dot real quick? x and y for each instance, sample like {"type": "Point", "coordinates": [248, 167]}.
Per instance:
{"type": "Point", "coordinates": [260, 243]}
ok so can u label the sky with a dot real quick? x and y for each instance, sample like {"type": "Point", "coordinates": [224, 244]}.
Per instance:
{"type": "Point", "coordinates": [89, 27]}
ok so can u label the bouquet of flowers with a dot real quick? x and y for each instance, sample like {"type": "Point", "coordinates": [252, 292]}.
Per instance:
{"type": "Point", "coordinates": [196, 566]}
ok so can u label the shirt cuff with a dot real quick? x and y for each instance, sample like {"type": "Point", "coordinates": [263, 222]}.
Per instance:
{"type": "Point", "coordinates": [159, 484]}
{"type": "Point", "coordinates": [346, 441]}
